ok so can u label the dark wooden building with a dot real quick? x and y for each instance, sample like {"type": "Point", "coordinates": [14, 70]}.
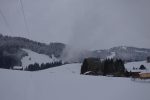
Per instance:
{"type": "Point", "coordinates": [148, 59]}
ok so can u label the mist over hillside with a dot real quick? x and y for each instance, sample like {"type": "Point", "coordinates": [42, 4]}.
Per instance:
{"type": "Point", "coordinates": [12, 47]}
{"type": "Point", "coordinates": [128, 54]}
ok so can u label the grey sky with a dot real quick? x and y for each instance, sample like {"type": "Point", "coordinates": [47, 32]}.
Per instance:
{"type": "Point", "coordinates": [90, 24]}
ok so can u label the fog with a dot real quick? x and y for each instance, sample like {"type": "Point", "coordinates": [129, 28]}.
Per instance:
{"type": "Point", "coordinates": [83, 24]}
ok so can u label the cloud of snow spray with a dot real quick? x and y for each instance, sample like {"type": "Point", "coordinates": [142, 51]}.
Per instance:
{"type": "Point", "coordinates": [102, 24]}
{"type": "Point", "coordinates": [84, 29]}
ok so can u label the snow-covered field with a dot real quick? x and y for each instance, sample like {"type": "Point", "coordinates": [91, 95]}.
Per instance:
{"type": "Point", "coordinates": [65, 83]}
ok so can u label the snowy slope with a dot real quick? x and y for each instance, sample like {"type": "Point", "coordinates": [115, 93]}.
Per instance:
{"type": "Point", "coordinates": [34, 57]}
{"type": "Point", "coordinates": [66, 69]}
{"type": "Point", "coordinates": [65, 83]}
{"type": "Point", "coordinates": [113, 54]}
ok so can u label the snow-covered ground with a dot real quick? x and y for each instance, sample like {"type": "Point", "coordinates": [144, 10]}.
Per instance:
{"type": "Point", "coordinates": [65, 83]}
{"type": "Point", "coordinates": [34, 57]}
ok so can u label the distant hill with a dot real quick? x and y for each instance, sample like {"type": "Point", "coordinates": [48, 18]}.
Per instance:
{"type": "Point", "coordinates": [7, 42]}
{"type": "Point", "coordinates": [128, 54]}
{"type": "Point", "coordinates": [11, 49]}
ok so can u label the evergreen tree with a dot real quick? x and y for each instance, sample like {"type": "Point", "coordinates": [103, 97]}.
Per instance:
{"type": "Point", "coordinates": [84, 67]}
{"type": "Point", "coordinates": [142, 67]}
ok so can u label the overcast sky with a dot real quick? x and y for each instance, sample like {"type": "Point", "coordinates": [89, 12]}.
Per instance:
{"type": "Point", "coordinates": [90, 24]}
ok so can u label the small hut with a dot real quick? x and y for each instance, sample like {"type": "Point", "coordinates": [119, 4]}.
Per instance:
{"type": "Point", "coordinates": [148, 59]}
{"type": "Point", "coordinates": [135, 74]}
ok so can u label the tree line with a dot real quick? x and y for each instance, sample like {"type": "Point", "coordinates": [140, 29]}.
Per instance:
{"type": "Point", "coordinates": [36, 66]}
{"type": "Point", "coordinates": [96, 66]}
{"type": "Point", "coordinates": [7, 61]}
{"type": "Point", "coordinates": [19, 42]}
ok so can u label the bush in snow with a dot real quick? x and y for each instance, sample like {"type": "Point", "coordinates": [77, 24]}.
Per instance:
{"type": "Point", "coordinates": [36, 66]}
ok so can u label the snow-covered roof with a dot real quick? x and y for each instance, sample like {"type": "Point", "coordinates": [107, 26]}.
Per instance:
{"type": "Point", "coordinates": [136, 70]}
{"type": "Point", "coordinates": [17, 67]}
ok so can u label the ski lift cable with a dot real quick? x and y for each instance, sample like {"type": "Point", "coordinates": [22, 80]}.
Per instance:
{"type": "Point", "coordinates": [24, 17]}
{"type": "Point", "coordinates": [5, 21]}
